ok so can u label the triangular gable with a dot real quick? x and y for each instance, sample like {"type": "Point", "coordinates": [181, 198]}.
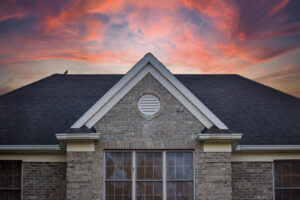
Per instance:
{"type": "Point", "coordinates": [149, 64]}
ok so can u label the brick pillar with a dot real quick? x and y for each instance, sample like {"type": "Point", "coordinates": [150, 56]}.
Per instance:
{"type": "Point", "coordinates": [80, 158]}
{"type": "Point", "coordinates": [213, 175]}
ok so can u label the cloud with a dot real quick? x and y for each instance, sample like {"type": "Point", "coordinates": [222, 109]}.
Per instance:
{"type": "Point", "coordinates": [215, 36]}
{"type": "Point", "coordinates": [224, 13]}
{"type": "Point", "coordinates": [286, 71]}
{"type": "Point", "coordinates": [278, 7]}
{"type": "Point", "coordinates": [11, 9]}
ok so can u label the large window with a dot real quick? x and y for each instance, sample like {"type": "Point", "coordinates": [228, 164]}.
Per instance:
{"type": "Point", "coordinates": [287, 180]}
{"type": "Point", "coordinates": [10, 180]}
{"type": "Point", "coordinates": [144, 175]}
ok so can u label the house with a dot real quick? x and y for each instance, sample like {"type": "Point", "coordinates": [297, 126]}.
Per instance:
{"type": "Point", "coordinates": [149, 134]}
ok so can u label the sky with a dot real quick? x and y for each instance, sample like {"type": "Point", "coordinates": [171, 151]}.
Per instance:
{"type": "Point", "coordinates": [258, 39]}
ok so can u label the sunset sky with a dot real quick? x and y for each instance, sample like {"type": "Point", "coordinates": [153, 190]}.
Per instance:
{"type": "Point", "coordinates": [258, 39]}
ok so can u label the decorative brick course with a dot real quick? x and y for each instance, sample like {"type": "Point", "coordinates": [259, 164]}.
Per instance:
{"type": "Point", "coordinates": [252, 180]}
{"type": "Point", "coordinates": [44, 181]}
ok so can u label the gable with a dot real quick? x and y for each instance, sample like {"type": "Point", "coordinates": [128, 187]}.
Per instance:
{"type": "Point", "coordinates": [125, 120]}
{"type": "Point", "coordinates": [149, 65]}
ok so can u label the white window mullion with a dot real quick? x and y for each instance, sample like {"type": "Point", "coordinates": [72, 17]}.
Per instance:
{"type": "Point", "coordinates": [164, 176]}
{"type": "Point", "coordinates": [133, 175]}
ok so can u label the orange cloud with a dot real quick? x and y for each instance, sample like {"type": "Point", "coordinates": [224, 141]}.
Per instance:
{"type": "Point", "coordinates": [278, 7]}
{"type": "Point", "coordinates": [288, 70]}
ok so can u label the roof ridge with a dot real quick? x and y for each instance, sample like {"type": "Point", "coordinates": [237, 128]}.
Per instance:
{"type": "Point", "coordinates": [124, 74]}
{"type": "Point", "coordinates": [28, 85]}
{"type": "Point", "coordinates": [266, 86]}
{"type": "Point", "coordinates": [89, 74]}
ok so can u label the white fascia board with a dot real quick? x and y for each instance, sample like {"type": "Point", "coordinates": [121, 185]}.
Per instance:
{"type": "Point", "coordinates": [78, 136]}
{"type": "Point", "coordinates": [30, 147]}
{"type": "Point", "coordinates": [225, 136]}
{"type": "Point", "coordinates": [264, 156]}
{"type": "Point", "coordinates": [267, 148]}
{"type": "Point", "coordinates": [132, 77]}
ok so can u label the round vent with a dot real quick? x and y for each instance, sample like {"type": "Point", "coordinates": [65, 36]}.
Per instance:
{"type": "Point", "coordinates": [149, 104]}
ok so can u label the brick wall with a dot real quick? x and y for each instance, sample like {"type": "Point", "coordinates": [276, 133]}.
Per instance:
{"type": "Point", "coordinates": [44, 181]}
{"type": "Point", "coordinates": [252, 180]}
{"type": "Point", "coordinates": [80, 175]}
{"type": "Point", "coordinates": [123, 127]}
{"type": "Point", "coordinates": [213, 176]}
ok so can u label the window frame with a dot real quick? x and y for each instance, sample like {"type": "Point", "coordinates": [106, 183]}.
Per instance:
{"type": "Point", "coordinates": [134, 170]}
{"type": "Point", "coordinates": [274, 178]}
{"type": "Point", "coordinates": [21, 177]}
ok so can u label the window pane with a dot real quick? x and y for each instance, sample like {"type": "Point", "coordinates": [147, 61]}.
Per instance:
{"type": "Point", "coordinates": [287, 194]}
{"type": "Point", "coordinates": [287, 174]}
{"type": "Point", "coordinates": [118, 166]}
{"type": "Point", "coordinates": [149, 190]}
{"type": "Point", "coordinates": [179, 166]}
{"type": "Point", "coordinates": [287, 180]}
{"type": "Point", "coordinates": [118, 190]}
{"type": "Point", "coordinates": [10, 180]}
{"type": "Point", "coordinates": [10, 174]}
{"type": "Point", "coordinates": [179, 190]}
{"type": "Point", "coordinates": [149, 166]}
{"type": "Point", "coordinates": [295, 174]}
{"type": "Point", "coordinates": [10, 194]}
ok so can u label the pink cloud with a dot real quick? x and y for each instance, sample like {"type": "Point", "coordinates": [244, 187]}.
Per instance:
{"type": "Point", "coordinates": [11, 9]}
{"type": "Point", "coordinates": [214, 37]}
{"type": "Point", "coordinates": [278, 7]}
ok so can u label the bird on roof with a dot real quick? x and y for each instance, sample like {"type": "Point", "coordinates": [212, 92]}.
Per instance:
{"type": "Point", "coordinates": [66, 72]}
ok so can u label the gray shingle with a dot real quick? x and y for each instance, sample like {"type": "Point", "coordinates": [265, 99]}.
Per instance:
{"type": "Point", "coordinates": [34, 113]}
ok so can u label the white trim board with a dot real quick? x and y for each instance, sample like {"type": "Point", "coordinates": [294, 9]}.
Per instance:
{"type": "Point", "coordinates": [263, 157]}
{"type": "Point", "coordinates": [30, 148]}
{"type": "Point", "coordinates": [149, 64]}
{"type": "Point", "coordinates": [35, 157]}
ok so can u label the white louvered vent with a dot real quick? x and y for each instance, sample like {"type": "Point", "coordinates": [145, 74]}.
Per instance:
{"type": "Point", "coordinates": [149, 104]}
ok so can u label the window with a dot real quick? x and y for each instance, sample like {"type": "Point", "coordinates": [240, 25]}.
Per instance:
{"type": "Point", "coordinates": [143, 175]}
{"type": "Point", "coordinates": [287, 180]}
{"type": "Point", "coordinates": [118, 176]}
{"type": "Point", "coordinates": [179, 175]}
{"type": "Point", "coordinates": [10, 180]}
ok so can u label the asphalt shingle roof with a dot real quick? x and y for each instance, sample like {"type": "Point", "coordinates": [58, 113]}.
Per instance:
{"type": "Point", "coordinates": [34, 113]}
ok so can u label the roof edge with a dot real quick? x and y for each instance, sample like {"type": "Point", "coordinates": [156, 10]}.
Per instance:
{"type": "Point", "coordinates": [30, 147]}
{"type": "Point", "coordinates": [267, 148]}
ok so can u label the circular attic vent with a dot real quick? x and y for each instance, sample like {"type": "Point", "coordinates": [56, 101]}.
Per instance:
{"type": "Point", "coordinates": [149, 104]}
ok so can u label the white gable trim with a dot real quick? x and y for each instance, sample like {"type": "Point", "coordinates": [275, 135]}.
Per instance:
{"type": "Point", "coordinates": [149, 64]}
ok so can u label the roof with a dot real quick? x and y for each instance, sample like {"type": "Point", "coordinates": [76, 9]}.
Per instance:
{"type": "Point", "coordinates": [33, 114]}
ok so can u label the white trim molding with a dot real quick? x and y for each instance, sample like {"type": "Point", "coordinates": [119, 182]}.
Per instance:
{"type": "Point", "coordinates": [222, 137]}
{"type": "Point", "coordinates": [80, 147]}
{"type": "Point", "coordinates": [263, 156]}
{"type": "Point", "coordinates": [78, 136]}
{"type": "Point", "coordinates": [35, 157]}
{"type": "Point", "coordinates": [217, 147]}
{"type": "Point", "coordinates": [30, 148]}
{"type": "Point", "coordinates": [267, 148]}
{"type": "Point", "coordinates": [149, 65]}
